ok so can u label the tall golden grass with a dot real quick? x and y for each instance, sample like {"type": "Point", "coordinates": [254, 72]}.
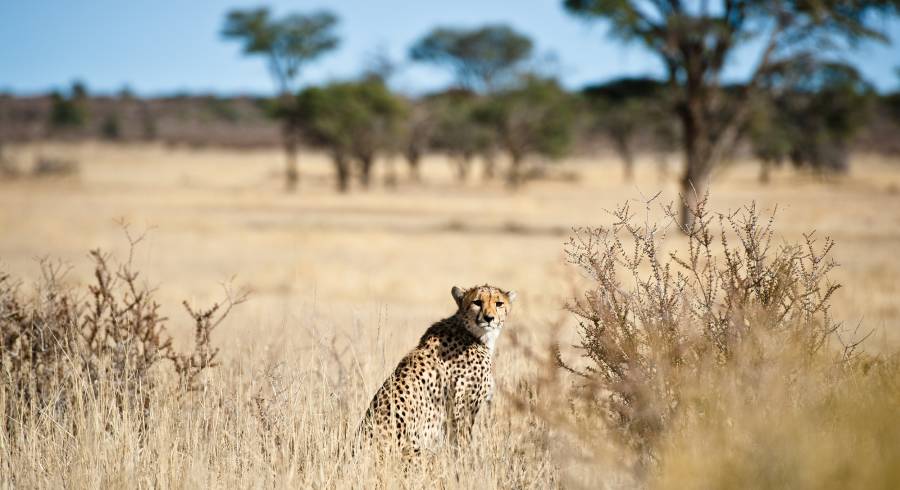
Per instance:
{"type": "Point", "coordinates": [718, 374]}
{"type": "Point", "coordinates": [93, 395]}
{"type": "Point", "coordinates": [344, 286]}
{"type": "Point", "coordinates": [721, 366]}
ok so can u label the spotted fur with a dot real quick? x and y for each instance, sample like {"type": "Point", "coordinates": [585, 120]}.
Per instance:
{"type": "Point", "coordinates": [438, 388]}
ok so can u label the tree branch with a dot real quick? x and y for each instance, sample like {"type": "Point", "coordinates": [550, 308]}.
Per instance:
{"type": "Point", "coordinates": [733, 128]}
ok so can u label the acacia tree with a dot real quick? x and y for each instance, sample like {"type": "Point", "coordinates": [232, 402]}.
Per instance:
{"type": "Point", "coordinates": [376, 127]}
{"type": "Point", "coordinates": [418, 131]}
{"type": "Point", "coordinates": [535, 117]}
{"type": "Point", "coordinates": [288, 44]}
{"type": "Point", "coordinates": [458, 132]}
{"type": "Point", "coordinates": [695, 40]}
{"type": "Point", "coordinates": [811, 117]}
{"type": "Point", "coordinates": [354, 121]}
{"type": "Point", "coordinates": [481, 59]}
{"type": "Point", "coordinates": [770, 135]}
{"type": "Point", "coordinates": [69, 113]}
{"type": "Point", "coordinates": [892, 101]}
{"type": "Point", "coordinates": [624, 109]}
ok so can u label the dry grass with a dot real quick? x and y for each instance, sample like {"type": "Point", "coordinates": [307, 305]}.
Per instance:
{"type": "Point", "coordinates": [690, 355]}
{"type": "Point", "coordinates": [343, 285]}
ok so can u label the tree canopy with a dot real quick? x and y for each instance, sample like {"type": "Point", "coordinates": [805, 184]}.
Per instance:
{"type": "Point", "coordinates": [811, 116]}
{"type": "Point", "coordinates": [481, 59]}
{"type": "Point", "coordinates": [457, 132]}
{"type": "Point", "coordinates": [287, 43]}
{"type": "Point", "coordinates": [353, 120]}
{"type": "Point", "coordinates": [695, 40]}
{"type": "Point", "coordinates": [535, 117]}
{"type": "Point", "coordinates": [626, 107]}
{"type": "Point", "coordinates": [69, 112]}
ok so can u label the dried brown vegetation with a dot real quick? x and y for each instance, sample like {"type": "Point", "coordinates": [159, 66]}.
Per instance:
{"type": "Point", "coordinates": [94, 393]}
{"type": "Point", "coordinates": [62, 348]}
{"type": "Point", "coordinates": [346, 285]}
{"type": "Point", "coordinates": [700, 350]}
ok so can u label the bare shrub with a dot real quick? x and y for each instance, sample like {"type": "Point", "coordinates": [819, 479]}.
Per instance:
{"type": "Point", "coordinates": [655, 320]}
{"type": "Point", "coordinates": [62, 348]}
{"type": "Point", "coordinates": [55, 167]}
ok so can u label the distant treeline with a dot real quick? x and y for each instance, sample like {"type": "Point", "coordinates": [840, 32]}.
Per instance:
{"type": "Point", "coordinates": [622, 116]}
{"type": "Point", "coordinates": [193, 120]}
{"type": "Point", "coordinates": [505, 108]}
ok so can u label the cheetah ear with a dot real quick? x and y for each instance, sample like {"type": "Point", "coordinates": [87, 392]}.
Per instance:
{"type": "Point", "coordinates": [458, 295]}
{"type": "Point", "coordinates": [512, 296]}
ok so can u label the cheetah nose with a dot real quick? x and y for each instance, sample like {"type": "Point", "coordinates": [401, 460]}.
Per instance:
{"type": "Point", "coordinates": [488, 318]}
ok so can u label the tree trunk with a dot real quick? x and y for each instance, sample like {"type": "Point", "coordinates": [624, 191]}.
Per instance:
{"type": "Point", "coordinates": [413, 159]}
{"type": "Point", "coordinates": [697, 144]}
{"type": "Point", "coordinates": [290, 137]}
{"type": "Point", "coordinates": [765, 170]}
{"type": "Point", "coordinates": [365, 170]}
{"type": "Point", "coordinates": [696, 177]}
{"type": "Point", "coordinates": [627, 155]}
{"type": "Point", "coordinates": [390, 172]}
{"type": "Point", "coordinates": [514, 180]}
{"type": "Point", "coordinates": [462, 167]}
{"type": "Point", "coordinates": [292, 175]}
{"type": "Point", "coordinates": [490, 165]}
{"type": "Point", "coordinates": [342, 172]}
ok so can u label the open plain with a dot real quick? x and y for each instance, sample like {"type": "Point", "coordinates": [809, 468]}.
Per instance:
{"type": "Point", "coordinates": [343, 285]}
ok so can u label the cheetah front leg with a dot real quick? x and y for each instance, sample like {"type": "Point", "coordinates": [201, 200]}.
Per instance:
{"type": "Point", "coordinates": [465, 407]}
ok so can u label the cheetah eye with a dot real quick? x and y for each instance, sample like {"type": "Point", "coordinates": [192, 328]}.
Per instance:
{"type": "Point", "coordinates": [499, 304]}
{"type": "Point", "coordinates": [478, 303]}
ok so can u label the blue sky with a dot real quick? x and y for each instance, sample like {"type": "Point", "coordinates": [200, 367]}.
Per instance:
{"type": "Point", "coordinates": [163, 46]}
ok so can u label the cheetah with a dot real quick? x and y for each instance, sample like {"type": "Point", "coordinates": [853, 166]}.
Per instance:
{"type": "Point", "coordinates": [436, 391]}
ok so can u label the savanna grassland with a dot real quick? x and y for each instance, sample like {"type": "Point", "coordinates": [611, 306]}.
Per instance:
{"type": "Point", "coordinates": [343, 285]}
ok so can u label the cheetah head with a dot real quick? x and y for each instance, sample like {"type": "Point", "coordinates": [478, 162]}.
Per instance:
{"type": "Point", "coordinates": [484, 310]}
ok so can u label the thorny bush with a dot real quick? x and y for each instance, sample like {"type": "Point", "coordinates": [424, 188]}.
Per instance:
{"type": "Point", "coordinates": [60, 347]}
{"type": "Point", "coordinates": [656, 320]}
